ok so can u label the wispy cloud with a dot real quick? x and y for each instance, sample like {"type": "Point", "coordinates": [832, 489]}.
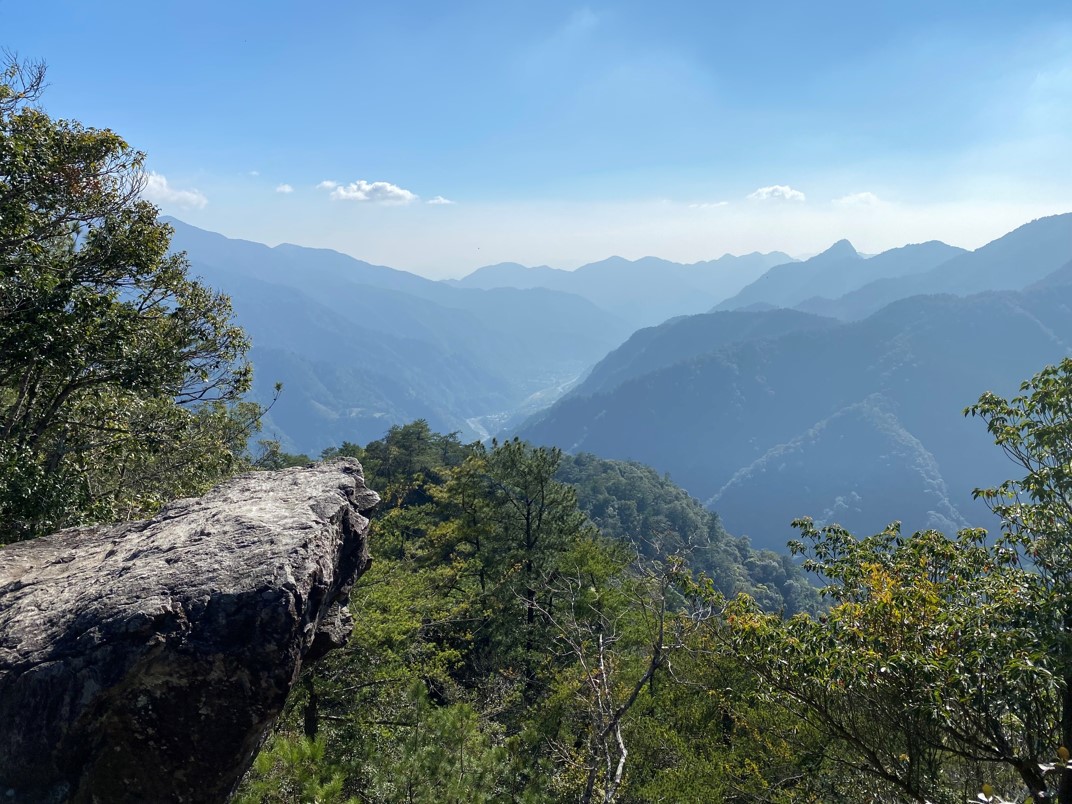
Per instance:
{"type": "Point", "coordinates": [562, 44]}
{"type": "Point", "coordinates": [376, 192]}
{"type": "Point", "coordinates": [858, 200]}
{"type": "Point", "coordinates": [709, 205]}
{"type": "Point", "coordinates": [254, 173]}
{"type": "Point", "coordinates": [159, 191]}
{"type": "Point", "coordinates": [439, 201]}
{"type": "Point", "coordinates": [284, 188]}
{"type": "Point", "coordinates": [777, 192]}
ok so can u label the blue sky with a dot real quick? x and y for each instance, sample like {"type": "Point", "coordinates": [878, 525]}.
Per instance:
{"type": "Point", "coordinates": [565, 132]}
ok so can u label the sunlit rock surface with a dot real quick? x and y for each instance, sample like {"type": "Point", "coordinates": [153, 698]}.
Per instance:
{"type": "Point", "coordinates": [145, 662]}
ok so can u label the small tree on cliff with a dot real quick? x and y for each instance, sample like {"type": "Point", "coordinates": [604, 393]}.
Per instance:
{"type": "Point", "coordinates": [120, 377]}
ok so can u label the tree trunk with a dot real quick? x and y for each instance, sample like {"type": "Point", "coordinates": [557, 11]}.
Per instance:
{"type": "Point", "coordinates": [311, 713]}
{"type": "Point", "coordinates": [1064, 789]}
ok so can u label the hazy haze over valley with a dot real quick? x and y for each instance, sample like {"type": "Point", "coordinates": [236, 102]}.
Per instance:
{"type": "Point", "coordinates": [606, 262]}
{"type": "Point", "coordinates": [763, 411]}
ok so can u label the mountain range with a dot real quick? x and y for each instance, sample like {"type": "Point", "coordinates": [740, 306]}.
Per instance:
{"type": "Point", "coordinates": [642, 292]}
{"type": "Point", "coordinates": [857, 423]}
{"type": "Point", "coordinates": [838, 283]}
{"type": "Point", "coordinates": [831, 386]}
{"type": "Point", "coordinates": [837, 271]}
{"type": "Point", "coordinates": [360, 347]}
{"type": "Point", "coordinates": [1024, 256]}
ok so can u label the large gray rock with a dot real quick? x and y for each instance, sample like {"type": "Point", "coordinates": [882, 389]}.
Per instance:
{"type": "Point", "coordinates": [145, 662]}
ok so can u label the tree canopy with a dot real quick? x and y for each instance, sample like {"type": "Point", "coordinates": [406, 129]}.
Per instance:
{"type": "Point", "coordinates": [945, 662]}
{"type": "Point", "coordinates": [120, 376]}
{"type": "Point", "coordinates": [523, 634]}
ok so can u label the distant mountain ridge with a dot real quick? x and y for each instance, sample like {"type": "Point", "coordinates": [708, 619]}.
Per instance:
{"type": "Point", "coordinates": [847, 406]}
{"type": "Point", "coordinates": [643, 292]}
{"type": "Point", "coordinates": [1023, 256]}
{"type": "Point", "coordinates": [837, 271]}
{"type": "Point", "coordinates": [689, 337]}
{"type": "Point", "coordinates": [360, 347]}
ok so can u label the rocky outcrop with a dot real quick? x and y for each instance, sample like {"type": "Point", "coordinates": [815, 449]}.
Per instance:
{"type": "Point", "coordinates": [145, 662]}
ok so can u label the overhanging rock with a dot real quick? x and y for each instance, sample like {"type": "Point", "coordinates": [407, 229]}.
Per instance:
{"type": "Point", "coordinates": [145, 662]}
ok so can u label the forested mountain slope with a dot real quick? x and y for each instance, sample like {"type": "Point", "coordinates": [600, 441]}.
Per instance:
{"type": "Point", "coordinates": [503, 576]}
{"type": "Point", "coordinates": [852, 423]}
{"type": "Point", "coordinates": [359, 347]}
{"type": "Point", "coordinates": [691, 336]}
{"type": "Point", "coordinates": [630, 502]}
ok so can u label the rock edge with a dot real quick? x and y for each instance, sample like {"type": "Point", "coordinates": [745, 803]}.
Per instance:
{"type": "Point", "coordinates": [145, 662]}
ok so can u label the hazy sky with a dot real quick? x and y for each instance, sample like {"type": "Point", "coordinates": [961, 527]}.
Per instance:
{"type": "Point", "coordinates": [441, 136]}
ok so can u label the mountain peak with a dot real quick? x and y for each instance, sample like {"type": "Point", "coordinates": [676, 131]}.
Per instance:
{"type": "Point", "coordinates": [841, 250]}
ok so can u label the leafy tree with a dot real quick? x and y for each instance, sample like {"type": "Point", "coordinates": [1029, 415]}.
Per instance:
{"type": "Point", "coordinates": [944, 662]}
{"type": "Point", "coordinates": [505, 649]}
{"type": "Point", "coordinates": [293, 768]}
{"type": "Point", "coordinates": [514, 524]}
{"type": "Point", "coordinates": [120, 377]}
{"type": "Point", "coordinates": [447, 757]}
{"type": "Point", "coordinates": [1034, 430]}
{"type": "Point", "coordinates": [706, 733]}
{"type": "Point", "coordinates": [272, 456]}
{"type": "Point", "coordinates": [619, 627]}
{"type": "Point", "coordinates": [920, 674]}
{"type": "Point", "coordinates": [346, 448]}
{"type": "Point", "coordinates": [406, 460]}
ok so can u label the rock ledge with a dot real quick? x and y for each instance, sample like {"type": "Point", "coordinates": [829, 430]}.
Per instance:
{"type": "Point", "coordinates": [145, 662]}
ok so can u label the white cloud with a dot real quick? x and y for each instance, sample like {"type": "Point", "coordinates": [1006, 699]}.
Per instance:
{"type": "Point", "coordinates": [377, 192]}
{"type": "Point", "coordinates": [159, 191]}
{"type": "Point", "coordinates": [327, 184]}
{"type": "Point", "coordinates": [709, 205]}
{"type": "Point", "coordinates": [439, 200]}
{"type": "Point", "coordinates": [284, 188]}
{"type": "Point", "coordinates": [782, 192]}
{"type": "Point", "coordinates": [254, 173]}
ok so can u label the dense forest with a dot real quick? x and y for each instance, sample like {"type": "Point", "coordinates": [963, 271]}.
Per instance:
{"type": "Point", "coordinates": [547, 628]}
{"type": "Point", "coordinates": [509, 649]}
{"type": "Point", "coordinates": [537, 626]}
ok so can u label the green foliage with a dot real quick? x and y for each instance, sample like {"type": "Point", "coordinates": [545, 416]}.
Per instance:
{"type": "Point", "coordinates": [446, 757]}
{"type": "Point", "coordinates": [893, 672]}
{"type": "Point", "coordinates": [508, 650]}
{"type": "Point", "coordinates": [1035, 431]}
{"type": "Point", "coordinates": [631, 503]}
{"type": "Point", "coordinates": [345, 449]}
{"type": "Point", "coordinates": [291, 769]}
{"type": "Point", "coordinates": [273, 457]}
{"type": "Point", "coordinates": [944, 662]}
{"type": "Point", "coordinates": [517, 526]}
{"type": "Point", "coordinates": [120, 377]}
{"type": "Point", "coordinates": [504, 649]}
{"type": "Point", "coordinates": [711, 736]}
